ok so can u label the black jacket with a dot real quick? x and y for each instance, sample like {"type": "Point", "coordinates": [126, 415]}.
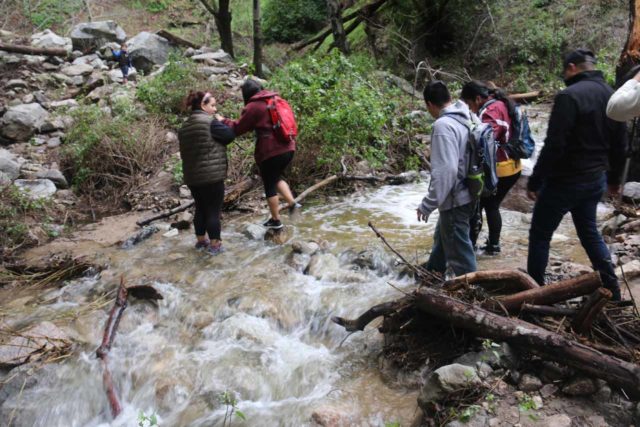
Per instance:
{"type": "Point", "coordinates": [582, 141]}
{"type": "Point", "coordinates": [203, 150]}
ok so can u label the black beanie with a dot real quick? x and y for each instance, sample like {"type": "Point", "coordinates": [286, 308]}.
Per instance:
{"type": "Point", "coordinates": [250, 88]}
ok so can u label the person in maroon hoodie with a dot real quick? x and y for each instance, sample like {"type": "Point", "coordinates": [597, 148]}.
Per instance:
{"type": "Point", "coordinates": [272, 156]}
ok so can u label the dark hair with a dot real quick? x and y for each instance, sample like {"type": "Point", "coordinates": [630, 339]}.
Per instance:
{"type": "Point", "coordinates": [476, 88]}
{"type": "Point", "coordinates": [581, 57]}
{"type": "Point", "coordinates": [194, 100]}
{"type": "Point", "coordinates": [436, 92]}
{"type": "Point", "coordinates": [250, 88]}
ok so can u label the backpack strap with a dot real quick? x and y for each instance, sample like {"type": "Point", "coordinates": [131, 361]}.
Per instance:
{"type": "Point", "coordinates": [485, 106]}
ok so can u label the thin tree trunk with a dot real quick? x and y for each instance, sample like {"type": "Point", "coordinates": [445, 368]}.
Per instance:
{"type": "Point", "coordinates": [257, 39]}
{"type": "Point", "coordinates": [335, 17]}
{"type": "Point", "coordinates": [630, 55]}
{"type": "Point", "coordinates": [223, 22]}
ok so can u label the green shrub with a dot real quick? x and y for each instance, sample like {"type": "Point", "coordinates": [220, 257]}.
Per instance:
{"type": "Point", "coordinates": [107, 156]}
{"type": "Point", "coordinates": [48, 13]}
{"type": "Point", "coordinates": [16, 209]}
{"type": "Point", "coordinates": [341, 108]}
{"type": "Point", "coordinates": [291, 20]}
{"type": "Point", "coordinates": [165, 93]}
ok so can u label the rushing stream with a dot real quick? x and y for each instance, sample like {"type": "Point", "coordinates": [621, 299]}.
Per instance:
{"type": "Point", "coordinates": [244, 322]}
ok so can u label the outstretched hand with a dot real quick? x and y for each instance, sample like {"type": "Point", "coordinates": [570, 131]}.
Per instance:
{"type": "Point", "coordinates": [422, 216]}
{"type": "Point", "coordinates": [219, 117]}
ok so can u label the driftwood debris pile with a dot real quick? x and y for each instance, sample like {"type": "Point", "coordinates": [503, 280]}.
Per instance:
{"type": "Point", "coordinates": [572, 322]}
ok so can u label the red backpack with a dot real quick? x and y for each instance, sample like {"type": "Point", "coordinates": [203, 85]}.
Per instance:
{"type": "Point", "coordinates": [283, 119]}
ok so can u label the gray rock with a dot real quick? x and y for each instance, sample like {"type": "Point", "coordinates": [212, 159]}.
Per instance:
{"type": "Point", "coordinates": [8, 165]}
{"type": "Point", "coordinates": [115, 75]}
{"type": "Point", "coordinates": [55, 176]}
{"type": "Point", "coordinates": [65, 103]}
{"type": "Point", "coordinates": [212, 57]}
{"type": "Point", "coordinates": [322, 265]}
{"type": "Point", "coordinates": [548, 390]}
{"type": "Point", "coordinates": [308, 248]}
{"type": "Point", "coordinates": [579, 386]}
{"type": "Point", "coordinates": [211, 71]}
{"type": "Point", "coordinates": [529, 383]}
{"type": "Point", "coordinates": [91, 35]}
{"type": "Point", "coordinates": [15, 84]}
{"type": "Point", "coordinates": [28, 98]}
{"type": "Point", "coordinates": [632, 191]}
{"type": "Point", "coordinates": [36, 188]}
{"type": "Point", "coordinates": [77, 70]}
{"type": "Point", "coordinates": [171, 138]}
{"type": "Point", "coordinates": [254, 231]}
{"type": "Point", "coordinates": [32, 343]}
{"type": "Point", "coordinates": [148, 49]}
{"type": "Point", "coordinates": [631, 270]}
{"type": "Point", "coordinates": [184, 221]}
{"type": "Point", "coordinates": [445, 380]}
{"type": "Point", "coordinates": [297, 261]}
{"type": "Point", "coordinates": [189, 52]}
{"type": "Point", "coordinates": [40, 97]}
{"type": "Point", "coordinates": [53, 124]}
{"type": "Point", "coordinates": [185, 193]}
{"type": "Point", "coordinates": [54, 142]}
{"type": "Point", "coordinates": [47, 39]}
{"type": "Point", "coordinates": [500, 357]}
{"type": "Point", "coordinates": [20, 122]}
{"type": "Point", "coordinates": [77, 80]}
{"type": "Point", "coordinates": [558, 420]}
{"type": "Point", "coordinates": [480, 419]}
{"type": "Point", "coordinates": [140, 236]}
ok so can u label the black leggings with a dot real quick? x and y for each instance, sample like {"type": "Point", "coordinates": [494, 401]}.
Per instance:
{"type": "Point", "coordinates": [491, 206]}
{"type": "Point", "coordinates": [208, 199]}
{"type": "Point", "coordinates": [272, 170]}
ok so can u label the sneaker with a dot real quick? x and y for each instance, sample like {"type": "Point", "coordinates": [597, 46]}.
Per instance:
{"type": "Point", "coordinates": [490, 249]}
{"type": "Point", "coordinates": [215, 250]}
{"type": "Point", "coordinates": [295, 207]}
{"type": "Point", "coordinates": [204, 244]}
{"type": "Point", "coordinates": [274, 224]}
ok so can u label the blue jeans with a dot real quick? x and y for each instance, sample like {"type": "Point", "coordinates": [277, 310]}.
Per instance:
{"type": "Point", "coordinates": [451, 242]}
{"type": "Point", "coordinates": [125, 71]}
{"type": "Point", "coordinates": [554, 201]}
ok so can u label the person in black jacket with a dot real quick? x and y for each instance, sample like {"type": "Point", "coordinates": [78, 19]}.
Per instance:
{"type": "Point", "coordinates": [583, 152]}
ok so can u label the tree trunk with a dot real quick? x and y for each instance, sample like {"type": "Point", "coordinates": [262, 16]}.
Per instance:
{"type": "Point", "coordinates": [630, 54]}
{"type": "Point", "coordinates": [33, 50]}
{"type": "Point", "coordinates": [530, 338]}
{"type": "Point", "coordinates": [223, 22]}
{"type": "Point", "coordinates": [335, 17]}
{"type": "Point", "coordinates": [257, 39]}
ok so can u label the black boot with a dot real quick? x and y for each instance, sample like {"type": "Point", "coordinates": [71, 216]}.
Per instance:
{"type": "Point", "coordinates": [491, 249]}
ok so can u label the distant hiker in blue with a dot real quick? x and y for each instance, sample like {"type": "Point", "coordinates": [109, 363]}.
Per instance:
{"type": "Point", "coordinates": [124, 61]}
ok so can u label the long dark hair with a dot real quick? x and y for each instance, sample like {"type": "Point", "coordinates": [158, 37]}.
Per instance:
{"type": "Point", "coordinates": [475, 88]}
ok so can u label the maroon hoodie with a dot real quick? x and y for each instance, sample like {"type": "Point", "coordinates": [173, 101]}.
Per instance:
{"type": "Point", "coordinates": [255, 117]}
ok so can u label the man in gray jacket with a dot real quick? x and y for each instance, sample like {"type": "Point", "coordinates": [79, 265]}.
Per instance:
{"type": "Point", "coordinates": [447, 189]}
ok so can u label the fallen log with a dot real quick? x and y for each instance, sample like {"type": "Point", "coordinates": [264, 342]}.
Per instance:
{"type": "Point", "coordinates": [384, 309]}
{"type": "Point", "coordinates": [530, 338]}
{"type": "Point", "coordinates": [546, 310]}
{"type": "Point", "coordinates": [231, 195]}
{"type": "Point", "coordinates": [29, 50]}
{"type": "Point", "coordinates": [590, 309]}
{"type": "Point", "coordinates": [176, 40]}
{"type": "Point", "coordinates": [527, 96]}
{"type": "Point", "coordinates": [549, 294]}
{"type": "Point", "coordinates": [494, 280]}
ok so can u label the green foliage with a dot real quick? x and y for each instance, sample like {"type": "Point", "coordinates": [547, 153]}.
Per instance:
{"type": "Point", "coordinates": [147, 420]}
{"type": "Point", "coordinates": [469, 412]}
{"type": "Point", "coordinates": [165, 93]}
{"type": "Point", "coordinates": [291, 20]}
{"type": "Point", "coordinates": [15, 209]}
{"type": "Point", "coordinates": [342, 110]}
{"type": "Point", "coordinates": [49, 13]}
{"type": "Point", "coordinates": [230, 400]}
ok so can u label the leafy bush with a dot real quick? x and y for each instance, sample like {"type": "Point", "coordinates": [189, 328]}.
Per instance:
{"type": "Point", "coordinates": [15, 211]}
{"type": "Point", "coordinates": [291, 20]}
{"type": "Point", "coordinates": [48, 13]}
{"type": "Point", "coordinates": [164, 93]}
{"type": "Point", "coordinates": [107, 156]}
{"type": "Point", "coordinates": [342, 108]}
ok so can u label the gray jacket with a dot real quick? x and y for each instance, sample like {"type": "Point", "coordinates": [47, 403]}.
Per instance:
{"type": "Point", "coordinates": [449, 160]}
{"type": "Point", "coordinates": [204, 158]}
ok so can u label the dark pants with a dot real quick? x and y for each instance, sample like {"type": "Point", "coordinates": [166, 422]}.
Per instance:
{"type": "Point", "coordinates": [272, 170]}
{"type": "Point", "coordinates": [491, 207]}
{"type": "Point", "coordinates": [208, 199]}
{"type": "Point", "coordinates": [125, 71]}
{"type": "Point", "coordinates": [554, 201]}
{"type": "Point", "coordinates": [451, 243]}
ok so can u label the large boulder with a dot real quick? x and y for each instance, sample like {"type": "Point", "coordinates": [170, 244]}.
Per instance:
{"type": "Point", "coordinates": [632, 191]}
{"type": "Point", "coordinates": [36, 188]}
{"type": "Point", "coordinates": [47, 39]}
{"type": "Point", "coordinates": [148, 49]}
{"type": "Point", "coordinates": [20, 122]}
{"type": "Point", "coordinates": [91, 35]}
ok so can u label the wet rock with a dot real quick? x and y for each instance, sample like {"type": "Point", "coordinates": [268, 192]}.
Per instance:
{"type": "Point", "coordinates": [445, 380]}
{"type": "Point", "coordinates": [55, 176]}
{"type": "Point", "coordinates": [579, 386]}
{"type": "Point", "coordinates": [32, 344]}
{"type": "Point", "coordinates": [36, 188]}
{"type": "Point", "coordinates": [77, 70]}
{"type": "Point", "coordinates": [140, 236]}
{"type": "Point", "coordinates": [279, 237]}
{"type": "Point", "coordinates": [16, 84]}
{"type": "Point", "coordinates": [529, 383]}
{"type": "Point", "coordinates": [148, 49]}
{"type": "Point", "coordinates": [632, 191]}
{"type": "Point", "coordinates": [308, 248]}
{"type": "Point", "coordinates": [254, 231]}
{"type": "Point", "coordinates": [91, 35]}
{"type": "Point", "coordinates": [331, 417]}
{"type": "Point", "coordinates": [322, 265]}
{"type": "Point", "coordinates": [212, 57]}
{"type": "Point", "coordinates": [20, 379]}
{"type": "Point", "coordinates": [405, 178]}
{"type": "Point", "coordinates": [20, 122]}
{"type": "Point", "coordinates": [47, 39]}
{"type": "Point", "coordinates": [185, 219]}
{"type": "Point", "coordinates": [298, 261]}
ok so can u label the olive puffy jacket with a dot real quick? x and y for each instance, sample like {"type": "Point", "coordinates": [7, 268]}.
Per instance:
{"type": "Point", "coordinates": [204, 156]}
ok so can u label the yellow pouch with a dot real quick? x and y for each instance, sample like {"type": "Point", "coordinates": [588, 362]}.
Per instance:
{"type": "Point", "coordinates": [508, 168]}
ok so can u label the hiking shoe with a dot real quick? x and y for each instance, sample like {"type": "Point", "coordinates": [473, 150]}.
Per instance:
{"type": "Point", "coordinates": [215, 250]}
{"type": "Point", "coordinates": [490, 249]}
{"type": "Point", "coordinates": [295, 207]}
{"type": "Point", "coordinates": [204, 244]}
{"type": "Point", "coordinates": [274, 224]}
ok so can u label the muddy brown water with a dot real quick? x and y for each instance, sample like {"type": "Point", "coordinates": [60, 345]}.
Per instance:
{"type": "Point", "coordinates": [244, 322]}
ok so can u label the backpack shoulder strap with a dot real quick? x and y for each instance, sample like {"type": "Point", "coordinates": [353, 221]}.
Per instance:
{"type": "Point", "coordinates": [485, 106]}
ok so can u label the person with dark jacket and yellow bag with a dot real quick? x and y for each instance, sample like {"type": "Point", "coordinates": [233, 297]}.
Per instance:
{"type": "Point", "coordinates": [583, 154]}
{"type": "Point", "coordinates": [203, 149]}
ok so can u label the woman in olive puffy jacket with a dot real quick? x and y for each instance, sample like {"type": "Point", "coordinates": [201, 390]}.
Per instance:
{"type": "Point", "coordinates": [203, 149]}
